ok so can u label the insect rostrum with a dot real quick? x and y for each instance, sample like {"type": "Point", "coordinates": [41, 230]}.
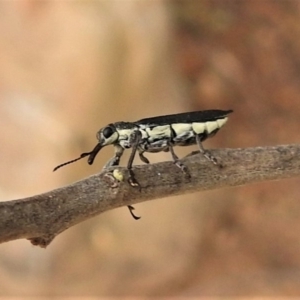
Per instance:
{"type": "Point", "coordinates": [157, 134]}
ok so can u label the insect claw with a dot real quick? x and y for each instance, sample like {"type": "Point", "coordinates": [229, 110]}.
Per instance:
{"type": "Point", "coordinates": [212, 159]}
{"type": "Point", "coordinates": [131, 209]}
{"type": "Point", "coordinates": [183, 168]}
{"type": "Point", "coordinates": [178, 163]}
{"type": "Point", "coordinates": [132, 181]}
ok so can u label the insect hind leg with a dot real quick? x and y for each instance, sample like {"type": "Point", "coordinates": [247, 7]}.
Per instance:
{"type": "Point", "coordinates": [206, 153]}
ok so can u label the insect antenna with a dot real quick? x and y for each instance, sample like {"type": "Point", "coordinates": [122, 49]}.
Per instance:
{"type": "Point", "coordinates": [71, 161]}
{"type": "Point", "coordinates": [92, 155]}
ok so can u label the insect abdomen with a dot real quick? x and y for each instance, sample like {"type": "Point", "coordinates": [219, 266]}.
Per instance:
{"type": "Point", "coordinates": [185, 131]}
{"type": "Point", "coordinates": [208, 127]}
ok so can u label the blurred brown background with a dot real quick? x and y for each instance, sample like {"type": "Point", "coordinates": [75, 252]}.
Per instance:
{"type": "Point", "coordinates": [70, 67]}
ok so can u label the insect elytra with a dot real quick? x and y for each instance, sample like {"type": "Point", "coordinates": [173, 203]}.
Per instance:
{"type": "Point", "coordinates": [157, 134]}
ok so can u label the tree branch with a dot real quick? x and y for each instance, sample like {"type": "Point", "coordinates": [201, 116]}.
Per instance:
{"type": "Point", "coordinates": [40, 218]}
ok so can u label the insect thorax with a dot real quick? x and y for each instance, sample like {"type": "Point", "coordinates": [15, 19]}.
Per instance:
{"type": "Point", "coordinates": [125, 131]}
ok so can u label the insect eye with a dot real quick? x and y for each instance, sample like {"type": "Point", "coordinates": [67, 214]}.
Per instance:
{"type": "Point", "coordinates": [107, 132]}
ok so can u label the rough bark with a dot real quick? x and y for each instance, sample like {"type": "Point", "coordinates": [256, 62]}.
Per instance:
{"type": "Point", "coordinates": [40, 218]}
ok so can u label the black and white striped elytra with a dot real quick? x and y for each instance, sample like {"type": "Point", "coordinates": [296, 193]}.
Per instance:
{"type": "Point", "coordinates": [157, 134]}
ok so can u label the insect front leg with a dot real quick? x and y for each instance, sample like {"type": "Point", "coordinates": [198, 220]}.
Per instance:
{"type": "Point", "coordinates": [206, 153]}
{"type": "Point", "coordinates": [114, 161]}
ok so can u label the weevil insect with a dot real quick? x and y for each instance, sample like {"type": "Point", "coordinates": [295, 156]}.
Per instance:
{"type": "Point", "coordinates": [157, 134]}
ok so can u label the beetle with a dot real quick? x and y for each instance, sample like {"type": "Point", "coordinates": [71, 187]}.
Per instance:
{"type": "Point", "coordinates": [157, 134]}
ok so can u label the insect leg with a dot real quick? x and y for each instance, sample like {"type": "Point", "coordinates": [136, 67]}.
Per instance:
{"type": "Point", "coordinates": [114, 161]}
{"type": "Point", "coordinates": [177, 161]}
{"type": "Point", "coordinates": [143, 158]}
{"type": "Point", "coordinates": [134, 140]}
{"type": "Point", "coordinates": [131, 208]}
{"type": "Point", "coordinates": [206, 153]}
